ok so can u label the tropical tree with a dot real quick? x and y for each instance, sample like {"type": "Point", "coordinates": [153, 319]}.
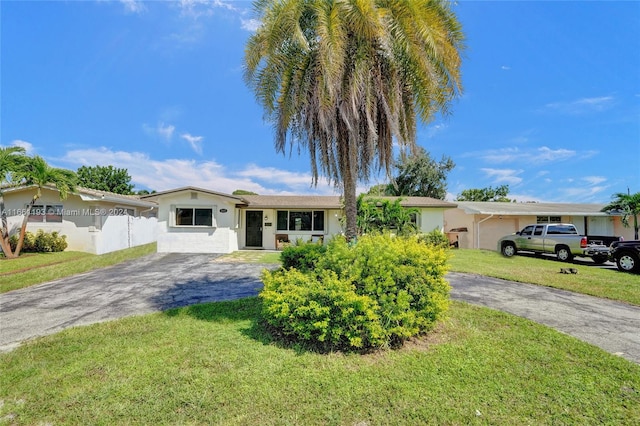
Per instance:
{"type": "Point", "coordinates": [346, 79]}
{"type": "Point", "coordinates": [380, 215]}
{"type": "Point", "coordinates": [105, 178]}
{"type": "Point", "coordinates": [421, 176]}
{"type": "Point", "coordinates": [498, 194]}
{"type": "Point", "coordinates": [11, 160]}
{"type": "Point", "coordinates": [38, 173]}
{"type": "Point", "coordinates": [627, 204]}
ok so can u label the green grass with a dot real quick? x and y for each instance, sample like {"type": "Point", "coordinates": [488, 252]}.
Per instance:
{"type": "Point", "coordinates": [251, 256]}
{"type": "Point", "coordinates": [213, 364]}
{"type": "Point", "coordinates": [31, 269]}
{"type": "Point", "coordinates": [609, 284]}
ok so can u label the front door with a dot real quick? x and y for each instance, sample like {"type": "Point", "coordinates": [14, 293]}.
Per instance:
{"type": "Point", "coordinates": [254, 229]}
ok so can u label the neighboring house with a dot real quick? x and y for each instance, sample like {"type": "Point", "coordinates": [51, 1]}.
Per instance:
{"type": "Point", "coordinates": [94, 221]}
{"type": "Point", "coordinates": [482, 224]}
{"type": "Point", "coordinates": [193, 219]}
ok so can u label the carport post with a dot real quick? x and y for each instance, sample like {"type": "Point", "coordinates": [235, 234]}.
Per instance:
{"type": "Point", "coordinates": [478, 229]}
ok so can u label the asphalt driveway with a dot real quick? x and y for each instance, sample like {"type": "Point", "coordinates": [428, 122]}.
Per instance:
{"type": "Point", "coordinates": [162, 281]}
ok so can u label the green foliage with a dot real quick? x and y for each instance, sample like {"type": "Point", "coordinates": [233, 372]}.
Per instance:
{"type": "Point", "coordinates": [302, 256]}
{"type": "Point", "coordinates": [435, 238]}
{"type": "Point", "coordinates": [41, 242]}
{"type": "Point", "coordinates": [421, 176]}
{"type": "Point", "coordinates": [629, 206]}
{"type": "Point", "coordinates": [243, 192]}
{"type": "Point", "coordinates": [106, 178]}
{"type": "Point", "coordinates": [380, 215]}
{"type": "Point", "coordinates": [322, 311]}
{"type": "Point", "coordinates": [377, 292]}
{"type": "Point", "coordinates": [498, 194]}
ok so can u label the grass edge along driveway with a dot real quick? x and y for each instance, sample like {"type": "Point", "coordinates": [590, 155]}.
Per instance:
{"type": "Point", "coordinates": [213, 363]}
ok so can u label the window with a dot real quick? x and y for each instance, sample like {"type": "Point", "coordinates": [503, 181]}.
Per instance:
{"type": "Point", "coordinates": [194, 216]}
{"type": "Point", "coordinates": [528, 230]}
{"type": "Point", "coordinates": [549, 219]}
{"type": "Point", "coordinates": [538, 230]}
{"type": "Point", "coordinates": [300, 220]}
{"type": "Point", "coordinates": [562, 230]}
{"type": "Point", "coordinates": [43, 213]}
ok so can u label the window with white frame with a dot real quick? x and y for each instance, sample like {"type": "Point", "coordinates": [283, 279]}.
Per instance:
{"type": "Point", "coordinates": [549, 219]}
{"type": "Point", "coordinates": [300, 220]}
{"type": "Point", "coordinates": [46, 213]}
{"type": "Point", "coordinates": [194, 216]}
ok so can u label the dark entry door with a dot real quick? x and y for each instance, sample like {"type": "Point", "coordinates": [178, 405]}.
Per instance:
{"type": "Point", "coordinates": [254, 229]}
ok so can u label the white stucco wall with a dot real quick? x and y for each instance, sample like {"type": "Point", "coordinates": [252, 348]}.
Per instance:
{"type": "Point", "coordinates": [332, 227]}
{"type": "Point", "coordinates": [83, 222]}
{"type": "Point", "coordinates": [219, 238]}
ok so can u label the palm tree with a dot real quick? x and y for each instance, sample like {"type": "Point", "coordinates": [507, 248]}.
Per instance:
{"type": "Point", "coordinates": [628, 205]}
{"type": "Point", "coordinates": [345, 79]}
{"type": "Point", "coordinates": [11, 159]}
{"type": "Point", "coordinates": [39, 174]}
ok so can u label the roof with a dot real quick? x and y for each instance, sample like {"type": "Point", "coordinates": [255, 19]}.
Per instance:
{"type": "Point", "coordinates": [293, 201]}
{"type": "Point", "coordinates": [331, 201]}
{"type": "Point", "coordinates": [420, 202]}
{"type": "Point", "coordinates": [88, 194]}
{"type": "Point", "coordinates": [538, 209]}
{"type": "Point", "coordinates": [190, 189]}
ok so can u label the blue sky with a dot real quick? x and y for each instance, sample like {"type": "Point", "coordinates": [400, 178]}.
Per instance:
{"type": "Point", "coordinates": [551, 102]}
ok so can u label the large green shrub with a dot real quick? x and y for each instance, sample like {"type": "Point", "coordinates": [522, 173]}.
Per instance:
{"type": "Point", "coordinates": [320, 310]}
{"type": "Point", "coordinates": [377, 292]}
{"type": "Point", "coordinates": [302, 256]}
{"type": "Point", "coordinates": [435, 238]}
{"type": "Point", "coordinates": [40, 242]}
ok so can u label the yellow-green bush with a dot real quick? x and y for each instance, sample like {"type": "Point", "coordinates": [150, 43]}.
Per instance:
{"type": "Point", "coordinates": [40, 242]}
{"type": "Point", "coordinates": [379, 291]}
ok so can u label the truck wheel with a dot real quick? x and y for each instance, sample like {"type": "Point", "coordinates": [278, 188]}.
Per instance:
{"type": "Point", "coordinates": [508, 250]}
{"type": "Point", "coordinates": [599, 260]}
{"type": "Point", "coordinates": [628, 262]}
{"type": "Point", "coordinates": [564, 254]}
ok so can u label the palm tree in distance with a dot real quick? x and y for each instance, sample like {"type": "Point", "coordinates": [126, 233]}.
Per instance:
{"type": "Point", "coordinates": [39, 174]}
{"type": "Point", "coordinates": [345, 79]}
{"type": "Point", "coordinates": [628, 205]}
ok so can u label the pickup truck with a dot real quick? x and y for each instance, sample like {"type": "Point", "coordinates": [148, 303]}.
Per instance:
{"type": "Point", "coordinates": [626, 254]}
{"type": "Point", "coordinates": [559, 238]}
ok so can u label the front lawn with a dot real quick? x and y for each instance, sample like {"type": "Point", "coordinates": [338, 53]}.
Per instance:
{"type": "Point", "coordinates": [35, 268]}
{"type": "Point", "coordinates": [213, 364]}
{"type": "Point", "coordinates": [591, 280]}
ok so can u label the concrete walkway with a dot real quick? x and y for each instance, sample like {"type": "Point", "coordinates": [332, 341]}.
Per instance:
{"type": "Point", "coordinates": [612, 326]}
{"type": "Point", "coordinates": [162, 281]}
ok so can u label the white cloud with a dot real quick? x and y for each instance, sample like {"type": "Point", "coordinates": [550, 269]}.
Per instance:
{"type": "Point", "coordinates": [582, 106]}
{"type": "Point", "coordinates": [545, 155]}
{"type": "Point", "coordinates": [508, 176]}
{"type": "Point", "coordinates": [535, 155]}
{"type": "Point", "coordinates": [267, 174]}
{"type": "Point", "coordinates": [28, 146]}
{"type": "Point", "coordinates": [162, 130]}
{"type": "Point", "coordinates": [194, 141]}
{"type": "Point", "coordinates": [251, 25]}
{"type": "Point", "coordinates": [133, 6]}
{"type": "Point", "coordinates": [594, 180]}
{"type": "Point", "coordinates": [173, 173]}
{"type": "Point", "coordinates": [505, 68]}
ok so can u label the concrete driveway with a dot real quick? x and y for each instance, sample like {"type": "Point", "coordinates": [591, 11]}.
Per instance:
{"type": "Point", "coordinates": [162, 281]}
{"type": "Point", "coordinates": [152, 283]}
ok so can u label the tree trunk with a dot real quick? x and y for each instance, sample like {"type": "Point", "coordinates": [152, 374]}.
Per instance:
{"type": "Point", "coordinates": [4, 231]}
{"type": "Point", "coordinates": [23, 228]}
{"type": "Point", "coordinates": [349, 171]}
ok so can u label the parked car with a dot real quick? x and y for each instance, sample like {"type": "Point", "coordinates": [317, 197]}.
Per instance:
{"type": "Point", "coordinates": [626, 254]}
{"type": "Point", "coordinates": [559, 238]}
